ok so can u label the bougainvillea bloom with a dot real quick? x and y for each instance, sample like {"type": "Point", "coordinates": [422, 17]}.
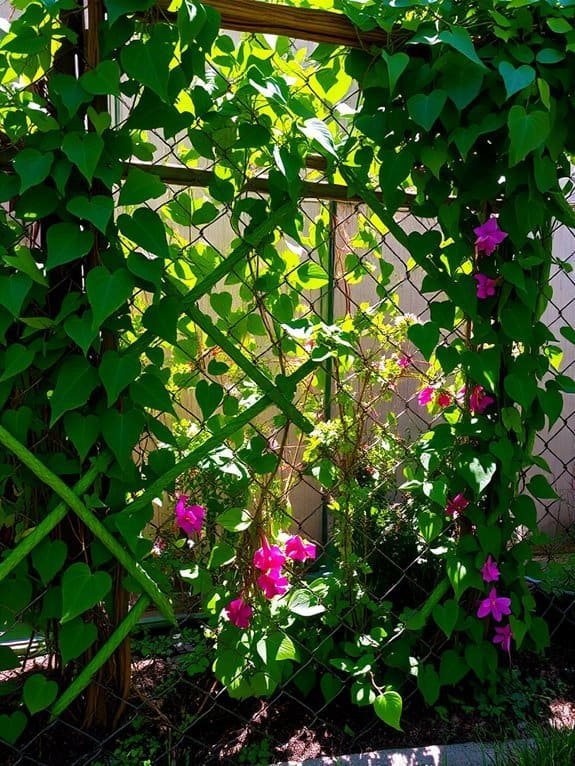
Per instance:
{"type": "Point", "coordinates": [490, 570]}
{"type": "Point", "coordinates": [239, 613]}
{"type": "Point", "coordinates": [485, 286]}
{"type": "Point", "coordinates": [503, 636]}
{"type": "Point", "coordinates": [189, 517]}
{"type": "Point", "coordinates": [479, 401]}
{"type": "Point", "coordinates": [273, 583]}
{"type": "Point", "coordinates": [268, 556]}
{"type": "Point", "coordinates": [425, 395]}
{"type": "Point", "coordinates": [404, 361]}
{"type": "Point", "coordinates": [297, 550]}
{"type": "Point", "coordinates": [444, 399]}
{"type": "Point", "coordinates": [456, 506]}
{"type": "Point", "coordinates": [489, 235]}
{"type": "Point", "coordinates": [494, 605]}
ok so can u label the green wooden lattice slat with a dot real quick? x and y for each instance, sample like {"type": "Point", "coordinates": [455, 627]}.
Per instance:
{"type": "Point", "coordinates": [96, 527]}
{"type": "Point", "coordinates": [102, 655]}
{"type": "Point", "coordinates": [28, 543]}
{"type": "Point", "coordinates": [157, 488]}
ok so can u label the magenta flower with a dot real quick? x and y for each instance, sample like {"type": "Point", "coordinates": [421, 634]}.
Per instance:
{"type": "Point", "coordinates": [273, 583]}
{"type": "Point", "coordinates": [485, 286]}
{"type": "Point", "coordinates": [479, 401]}
{"type": "Point", "coordinates": [489, 235]}
{"type": "Point", "coordinates": [425, 395]}
{"type": "Point", "coordinates": [189, 517]}
{"type": "Point", "coordinates": [444, 399]}
{"type": "Point", "coordinates": [239, 613]}
{"type": "Point", "coordinates": [404, 361]}
{"type": "Point", "coordinates": [297, 550]}
{"type": "Point", "coordinates": [490, 570]}
{"type": "Point", "coordinates": [494, 605]}
{"type": "Point", "coordinates": [503, 636]}
{"type": "Point", "coordinates": [268, 556]}
{"type": "Point", "coordinates": [457, 505]}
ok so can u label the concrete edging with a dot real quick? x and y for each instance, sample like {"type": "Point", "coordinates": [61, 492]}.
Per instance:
{"type": "Point", "coordinates": [468, 754]}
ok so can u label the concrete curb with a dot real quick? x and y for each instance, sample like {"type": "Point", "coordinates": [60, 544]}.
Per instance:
{"type": "Point", "coordinates": [469, 754]}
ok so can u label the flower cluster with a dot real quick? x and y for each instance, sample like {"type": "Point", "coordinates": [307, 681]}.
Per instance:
{"type": "Point", "coordinates": [457, 505]}
{"type": "Point", "coordinates": [433, 395]}
{"type": "Point", "coordinates": [489, 237]}
{"type": "Point", "coordinates": [189, 517]}
{"type": "Point", "coordinates": [495, 606]}
{"type": "Point", "coordinates": [269, 561]}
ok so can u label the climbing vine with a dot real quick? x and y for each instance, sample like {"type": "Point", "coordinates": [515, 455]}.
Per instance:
{"type": "Point", "coordinates": [466, 116]}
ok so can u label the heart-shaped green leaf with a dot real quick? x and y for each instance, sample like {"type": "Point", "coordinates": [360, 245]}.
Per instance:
{"type": "Point", "coordinates": [446, 615]}
{"type": "Point", "coordinates": [76, 381]}
{"type": "Point", "coordinates": [145, 228]}
{"type": "Point", "coordinates": [209, 396]}
{"type": "Point", "coordinates": [149, 391]}
{"type": "Point", "coordinates": [428, 683]}
{"type": "Point", "coordinates": [103, 80]}
{"type": "Point", "coordinates": [48, 558]}
{"type": "Point", "coordinates": [149, 63]}
{"type": "Point", "coordinates": [140, 186]}
{"type": "Point", "coordinates": [425, 109]}
{"type": "Point", "coordinates": [452, 668]}
{"type": "Point", "coordinates": [516, 79]}
{"type": "Point", "coordinates": [117, 371]}
{"type": "Point", "coordinates": [388, 707]}
{"type": "Point", "coordinates": [396, 65]}
{"type": "Point", "coordinates": [82, 589]}
{"type": "Point", "coordinates": [82, 430]}
{"type": "Point", "coordinates": [39, 693]}
{"type": "Point", "coordinates": [12, 726]}
{"type": "Point", "coordinates": [33, 167]}
{"type": "Point", "coordinates": [16, 359]}
{"type": "Point", "coordinates": [83, 150]}
{"type": "Point", "coordinates": [75, 638]}
{"type": "Point", "coordinates": [425, 337]}
{"type": "Point", "coordinates": [97, 210]}
{"type": "Point", "coordinates": [527, 132]}
{"type": "Point", "coordinates": [107, 292]}
{"type": "Point", "coordinates": [67, 242]}
{"type": "Point", "coordinates": [81, 330]}
{"type": "Point", "coordinates": [121, 432]}
{"type": "Point", "coordinates": [477, 471]}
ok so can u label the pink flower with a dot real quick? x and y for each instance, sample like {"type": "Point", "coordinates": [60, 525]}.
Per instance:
{"type": "Point", "coordinates": [268, 556]}
{"type": "Point", "coordinates": [490, 570]}
{"type": "Point", "coordinates": [425, 395]}
{"type": "Point", "coordinates": [489, 235]}
{"type": "Point", "coordinates": [494, 605]}
{"type": "Point", "coordinates": [485, 286]}
{"type": "Point", "coordinates": [404, 361]}
{"type": "Point", "coordinates": [189, 517]}
{"type": "Point", "coordinates": [239, 613]}
{"type": "Point", "coordinates": [456, 506]}
{"type": "Point", "coordinates": [444, 399]}
{"type": "Point", "coordinates": [273, 583]}
{"type": "Point", "coordinates": [297, 550]}
{"type": "Point", "coordinates": [479, 401]}
{"type": "Point", "coordinates": [503, 636]}
{"type": "Point", "coordinates": [460, 395]}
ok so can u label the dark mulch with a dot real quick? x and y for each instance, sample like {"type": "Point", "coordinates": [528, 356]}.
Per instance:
{"type": "Point", "coordinates": [176, 720]}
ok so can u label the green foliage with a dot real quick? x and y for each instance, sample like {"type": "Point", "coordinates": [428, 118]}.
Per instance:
{"type": "Point", "coordinates": [469, 116]}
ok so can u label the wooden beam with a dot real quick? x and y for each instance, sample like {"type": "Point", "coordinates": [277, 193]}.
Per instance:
{"type": "Point", "coordinates": [297, 23]}
{"type": "Point", "coordinates": [178, 175]}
